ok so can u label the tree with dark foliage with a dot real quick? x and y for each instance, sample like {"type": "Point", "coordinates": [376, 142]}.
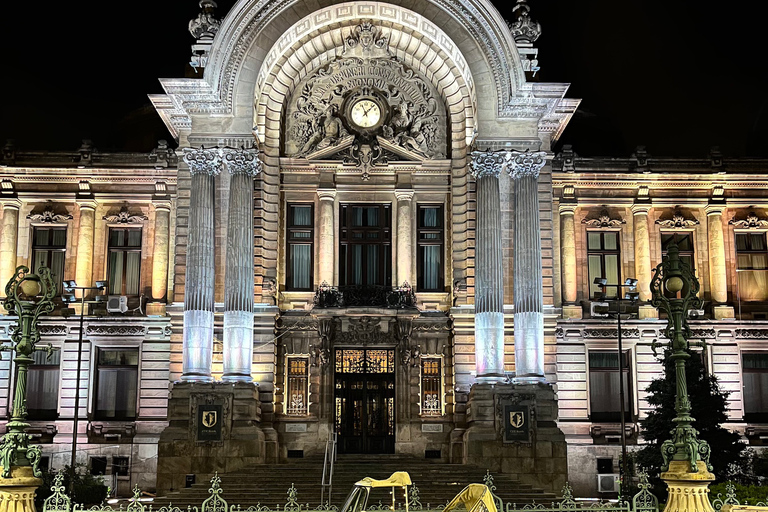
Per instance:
{"type": "Point", "coordinates": [708, 407]}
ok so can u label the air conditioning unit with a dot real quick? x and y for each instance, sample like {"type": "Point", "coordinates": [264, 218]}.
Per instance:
{"type": "Point", "coordinates": [608, 482]}
{"type": "Point", "coordinates": [695, 313]}
{"type": "Point", "coordinates": [598, 309]}
{"type": "Point", "coordinates": [117, 304]}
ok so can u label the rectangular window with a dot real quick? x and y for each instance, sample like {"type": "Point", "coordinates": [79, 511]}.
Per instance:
{"type": "Point", "coordinates": [365, 257]}
{"type": "Point", "coordinates": [684, 243]}
{"type": "Point", "coordinates": [430, 249]}
{"type": "Point", "coordinates": [124, 261]}
{"type": "Point", "coordinates": [603, 260]}
{"type": "Point", "coordinates": [431, 386]}
{"type": "Point", "coordinates": [752, 266]}
{"type": "Point", "coordinates": [120, 466]}
{"type": "Point", "coordinates": [298, 386]}
{"type": "Point", "coordinates": [755, 374]}
{"type": "Point", "coordinates": [43, 386]}
{"type": "Point", "coordinates": [300, 239]}
{"type": "Point", "coordinates": [48, 250]}
{"type": "Point", "coordinates": [98, 466]}
{"type": "Point", "coordinates": [117, 379]}
{"type": "Point", "coordinates": [605, 404]}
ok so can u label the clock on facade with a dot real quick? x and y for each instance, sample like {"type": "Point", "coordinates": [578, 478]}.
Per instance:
{"type": "Point", "coordinates": [365, 113]}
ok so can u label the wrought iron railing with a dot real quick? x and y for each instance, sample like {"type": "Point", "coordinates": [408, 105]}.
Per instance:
{"type": "Point", "coordinates": [730, 499]}
{"type": "Point", "coordinates": [390, 297]}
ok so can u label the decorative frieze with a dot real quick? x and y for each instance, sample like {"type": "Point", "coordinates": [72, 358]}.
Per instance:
{"type": "Point", "coordinates": [677, 221]}
{"type": "Point", "coordinates": [49, 216]}
{"type": "Point", "coordinates": [115, 330]}
{"type": "Point", "coordinates": [609, 333]}
{"type": "Point", "coordinates": [752, 221]}
{"type": "Point", "coordinates": [752, 333]}
{"type": "Point", "coordinates": [604, 220]}
{"type": "Point", "coordinates": [125, 217]}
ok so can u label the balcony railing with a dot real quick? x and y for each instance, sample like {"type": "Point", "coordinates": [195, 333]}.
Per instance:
{"type": "Point", "coordinates": [390, 297]}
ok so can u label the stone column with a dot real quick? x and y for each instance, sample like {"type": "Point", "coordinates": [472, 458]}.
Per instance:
{"type": "Point", "coordinates": [568, 261]}
{"type": "Point", "coordinates": [86, 225]}
{"type": "Point", "coordinates": [404, 237]}
{"type": "Point", "coordinates": [485, 167]}
{"type": "Point", "coordinates": [718, 282]}
{"type": "Point", "coordinates": [9, 239]}
{"type": "Point", "coordinates": [326, 235]}
{"type": "Point", "coordinates": [204, 166]}
{"type": "Point", "coordinates": [524, 168]}
{"type": "Point", "coordinates": [243, 166]}
{"type": "Point", "coordinates": [642, 241]}
{"type": "Point", "coordinates": [160, 254]}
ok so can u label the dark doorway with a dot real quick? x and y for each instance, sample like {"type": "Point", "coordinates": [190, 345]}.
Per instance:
{"type": "Point", "coordinates": [365, 400]}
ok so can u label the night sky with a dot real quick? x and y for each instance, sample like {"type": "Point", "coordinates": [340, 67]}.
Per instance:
{"type": "Point", "coordinates": [677, 77]}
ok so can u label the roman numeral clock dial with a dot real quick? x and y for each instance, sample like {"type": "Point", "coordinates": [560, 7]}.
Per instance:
{"type": "Point", "coordinates": [365, 113]}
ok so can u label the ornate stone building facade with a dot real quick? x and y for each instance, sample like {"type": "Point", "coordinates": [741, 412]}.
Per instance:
{"type": "Point", "coordinates": [364, 231]}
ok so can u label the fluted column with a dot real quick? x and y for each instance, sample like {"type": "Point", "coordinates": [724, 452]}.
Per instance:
{"type": "Point", "coordinates": [404, 237]}
{"type": "Point", "coordinates": [568, 248]}
{"type": "Point", "coordinates": [485, 167]}
{"type": "Point", "coordinates": [85, 234]}
{"type": "Point", "coordinates": [642, 250]}
{"type": "Point", "coordinates": [717, 271]}
{"type": "Point", "coordinates": [243, 165]}
{"type": "Point", "coordinates": [161, 251]}
{"type": "Point", "coordinates": [326, 236]}
{"type": "Point", "coordinates": [8, 240]}
{"type": "Point", "coordinates": [204, 165]}
{"type": "Point", "coordinates": [524, 168]}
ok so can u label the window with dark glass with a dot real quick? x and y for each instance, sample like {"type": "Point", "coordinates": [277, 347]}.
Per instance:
{"type": "Point", "coordinates": [124, 260]}
{"type": "Point", "coordinates": [298, 386]}
{"type": "Point", "coordinates": [120, 466]}
{"type": "Point", "coordinates": [365, 245]}
{"type": "Point", "coordinates": [430, 249]}
{"type": "Point", "coordinates": [43, 385]}
{"type": "Point", "coordinates": [48, 250]}
{"type": "Point", "coordinates": [754, 367]}
{"type": "Point", "coordinates": [684, 243]}
{"type": "Point", "coordinates": [300, 240]}
{"type": "Point", "coordinates": [603, 260]}
{"type": "Point", "coordinates": [604, 401]}
{"type": "Point", "coordinates": [98, 465]}
{"type": "Point", "coordinates": [752, 266]}
{"type": "Point", "coordinates": [117, 379]}
{"type": "Point", "coordinates": [431, 386]}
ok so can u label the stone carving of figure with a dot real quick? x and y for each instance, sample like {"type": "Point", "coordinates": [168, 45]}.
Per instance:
{"type": "Point", "coordinates": [406, 130]}
{"type": "Point", "coordinates": [326, 130]}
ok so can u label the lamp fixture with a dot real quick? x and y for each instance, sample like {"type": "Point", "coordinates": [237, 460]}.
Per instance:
{"type": "Point", "coordinates": [601, 281]}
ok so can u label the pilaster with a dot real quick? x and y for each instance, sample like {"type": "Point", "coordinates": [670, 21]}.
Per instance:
{"type": "Point", "coordinates": [326, 235]}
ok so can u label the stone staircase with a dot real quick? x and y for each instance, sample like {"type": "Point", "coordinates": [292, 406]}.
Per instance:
{"type": "Point", "coordinates": [268, 484]}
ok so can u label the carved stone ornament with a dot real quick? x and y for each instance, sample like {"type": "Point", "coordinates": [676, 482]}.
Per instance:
{"type": "Point", "coordinates": [610, 333]}
{"type": "Point", "coordinates": [487, 163]}
{"type": "Point", "coordinates": [202, 160]}
{"type": "Point", "coordinates": [677, 221]}
{"type": "Point", "coordinates": [527, 163]}
{"type": "Point", "coordinates": [523, 29]}
{"type": "Point", "coordinates": [604, 220]}
{"type": "Point", "coordinates": [752, 333]}
{"type": "Point", "coordinates": [205, 25]}
{"type": "Point", "coordinates": [364, 331]}
{"type": "Point", "coordinates": [116, 330]}
{"type": "Point", "coordinates": [124, 217]}
{"type": "Point", "coordinates": [752, 221]}
{"type": "Point", "coordinates": [211, 161]}
{"type": "Point", "coordinates": [49, 216]}
{"type": "Point", "coordinates": [242, 161]}
{"type": "Point", "coordinates": [366, 39]}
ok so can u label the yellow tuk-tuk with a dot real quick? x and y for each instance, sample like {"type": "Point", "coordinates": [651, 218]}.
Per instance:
{"type": "Point", "coordinates": [358, 497]}
{"type": "Point", "coordinates": [474, 498]}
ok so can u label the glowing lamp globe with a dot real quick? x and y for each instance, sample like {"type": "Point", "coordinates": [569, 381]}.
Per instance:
{"type": "Point", "coordinates": [30, 288]}
{"type": "Point", "coordinates": [674, 284]}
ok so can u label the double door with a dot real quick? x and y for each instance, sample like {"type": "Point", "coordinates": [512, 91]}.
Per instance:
{"type": "Point", "coordinates": [364, 397]}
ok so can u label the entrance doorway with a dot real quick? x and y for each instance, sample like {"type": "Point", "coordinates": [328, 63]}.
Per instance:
{"type": "Point", "coordinates": [364, 394]}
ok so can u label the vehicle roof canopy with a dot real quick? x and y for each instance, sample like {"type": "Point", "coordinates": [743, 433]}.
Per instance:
{"type": "Point", "coordinates": [471, 499]}
{"type": "Point", "coordinates": [398, 479]}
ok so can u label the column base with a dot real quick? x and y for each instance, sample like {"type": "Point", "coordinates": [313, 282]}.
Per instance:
{"type": "Point", "coordinates": [573, 312]}
{"type": "Point", "coordinates": [17, 494]}
{"type": "Point", "coordinates": [688, 491]}
{"type": "Point", "coordinates": [724, 313]}
{"type": "Point", "coordinates": [155, 309]}
{"type": "Point", "coordinates": [647, 311]}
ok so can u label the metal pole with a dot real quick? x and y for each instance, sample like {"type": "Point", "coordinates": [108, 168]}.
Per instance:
{"type": "Point", "coordinates": [77, 391]}
{"type": "Point", "coordinates": [623, 421]}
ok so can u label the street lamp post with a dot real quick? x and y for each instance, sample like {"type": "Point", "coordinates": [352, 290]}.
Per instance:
{"type": "Point", "coordinates": [686, 468]}
{"type": "Point", "coordinates": [28, 296]}
{"type": "Point", "coordinates": [630, 283]}
{"type": "Point", "coordinates": [70, 287]}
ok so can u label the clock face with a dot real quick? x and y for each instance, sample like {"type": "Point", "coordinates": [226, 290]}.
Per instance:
{"type": "Point", "coordinates": [365, 113]}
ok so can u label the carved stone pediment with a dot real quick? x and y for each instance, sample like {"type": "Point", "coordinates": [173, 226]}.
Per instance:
{"type": "Point", "coordinates": [49, 215]}
{"type": "Point", "coordinates": [604, 220]}
{"type": "Point", "coordinates": [678, 220]}
{"type": "Point", "coordinates": [125, 217]}
{"type": "Point", "coordinates": [751, 221]}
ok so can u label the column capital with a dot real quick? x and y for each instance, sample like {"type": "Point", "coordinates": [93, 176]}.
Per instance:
{"type": "Point", "coordinates": [640, 209]}
{"type": "Point", "coordinates": [203, 161]}
{"type": "Point", "coordinates": [568, 208]}
{"type": "Point", "coordinates": [326, 194]}
{"type": "Point", "coordinates": [714, 209]}
{"type": "Point", "coordinates": [162, 206]}
{"type": "Point", "coordinates": [487, 163]}
{"type": "Point", "coordinates": [11, 204]}
{"type": "Point", "coordinates": [404, 195]}
{"type": "Point", "coordinates": [242, 161]}
{"type": "Point", "coordinates": [521, 164]}
{"type": "Point", "coordinates": [87, 205]}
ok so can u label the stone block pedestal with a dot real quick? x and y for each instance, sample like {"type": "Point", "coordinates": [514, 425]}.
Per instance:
{"type": "Point", "coordinates": [573, 312]}
{"type": "Point", "coordinates": [512, 428]}
{"type": "Point", "coordinates": [724, 313]}
{"type": "Point", "coordinates": [212, 427]}
{"type": "Point", "coordinates": [646, 311]}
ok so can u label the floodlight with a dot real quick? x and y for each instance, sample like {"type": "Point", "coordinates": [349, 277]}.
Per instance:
{"type": "Point", "coordinates": [631, 282]}
{"type": "Point", "coordinates": [70, 285]}
{"type": "Point", "coordinates": [101, 284]}
{"type": "Point", "coordinates": [69, 297]}
{"type": "Point", "coordinates": [598, 296]}
{"type": "Point", "coordinates": [602, 281]}
{"type": "Point", "coordinates": [632, 295]}
{"type": "Point", "coordinates": [100, 298]}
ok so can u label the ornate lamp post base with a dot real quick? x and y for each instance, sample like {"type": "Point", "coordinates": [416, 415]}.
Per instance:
{"type": "Point", "coordinates": [688, 491]}
{"type": "Point", "coordinates": [17, 493]}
